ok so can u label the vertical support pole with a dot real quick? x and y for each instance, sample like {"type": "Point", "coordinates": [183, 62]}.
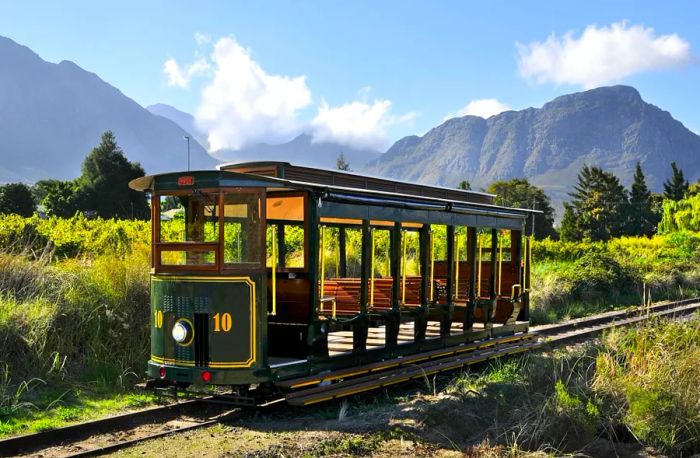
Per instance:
{"type": "Point", "coordinates": [480, 257]}
{"type": "Point", "coordinates": [395, 267]}
{"type": "Point", "coordinates": [336, 255]}
{"type": "Point", "coordinates": [421, 320]}
{"type": "Point", "coordinates": [526, 278]}
{"type": "Point", "coordinates": [281, 248]}
{"type": "Point", "coordinates": [471, 262]}
{"type": "Point", "coordinates": [371, 270]}
{"type": "Point", "coordinates": [500, 263]}
{"type": "Point", "coordinates": [322, 251]}
{"type": "Point", "coordinates": [273, 278]}
{"type": "Point", "coordinates": [404, 243]}
{"type": "Point", "coordinates": [446, 321]}
{"type": "Point", "coordinates": [342, 249]}
{"type": "Point", "coordinates": [317, 336]}
{"type": "Point", "coordinates": [516, 248]}
{"type": "Point", "coordinates": [492, 278]}
{"type": "Point", "coordinates": [431, 235]}
{"type": "Point", "coordinates": [360, 327]}
{"type": "Point", "coordinates": [457, 265]}
{"type": "Point", "coordinates": [426, 267]}
{"type": "Point", "coordinates": [393, 318]}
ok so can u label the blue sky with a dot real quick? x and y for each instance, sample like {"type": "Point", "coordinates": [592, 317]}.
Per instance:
{"type": "Point", "coordinates": [365, 72]}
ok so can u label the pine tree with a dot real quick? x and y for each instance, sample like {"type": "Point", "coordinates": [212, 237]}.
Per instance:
{"type": "Point", "coordinates": [676, 186]}
{"type": "Point", "coordinates": [569, 230]}
{"type": "Point", "coordinates": [598, 206]}
{"type": "Point", "coordinates": [642, 220]}
{"type": "Point", "coordinates": [342, 164]}
{"type": "Point", "coordinates": [106, 173]}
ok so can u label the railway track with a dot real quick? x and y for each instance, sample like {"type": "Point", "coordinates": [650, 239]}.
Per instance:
{"type": "Point", "coordinates": [108, 435]}
{"type": "Point", "coordinates": [99, 437]}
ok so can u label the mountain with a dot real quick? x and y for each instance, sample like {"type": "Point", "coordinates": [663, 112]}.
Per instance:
{"type": "Point", "coordinates": [52, 115]}
{"type": "Point", "coordinates": [610, 127]}
{"type": "Point", "coordinates": [182, 119]}
{"type": "Point", "coordinates": [300, 150]}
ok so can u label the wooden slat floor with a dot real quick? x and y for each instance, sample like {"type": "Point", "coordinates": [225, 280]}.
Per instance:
{"type": "Point", "coordinates": [340, 342]}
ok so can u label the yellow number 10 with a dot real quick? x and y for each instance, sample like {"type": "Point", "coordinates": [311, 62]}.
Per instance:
{"type": "Point", "coordinates": [222, 322]}
{"type": "Point", "coordinates": [158, 318]}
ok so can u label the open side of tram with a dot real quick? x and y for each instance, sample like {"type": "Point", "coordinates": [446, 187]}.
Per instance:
{"type": "Point", "coordinates": [265, 272]}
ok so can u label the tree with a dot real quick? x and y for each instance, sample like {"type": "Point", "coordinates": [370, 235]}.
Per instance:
{"type": "Point", "coordinates": [693, 189]}
{"type": "Point", "coordinates": [598, 208]}
{"type": "Point", "coordinates": [569, 230]}
{"type": "Point", "coordinates": [465, 185]}
{"type": "Point", "coordinates": [16, 198]}
{"type": "Point", "coordinates": [104, 181]}
{"type": "Point", "coordinates": [676, 186]}
{"type": "Point", "coordinates": [518, 192]}
{"type": "Point", "coordinates": [59, 198]}
{"type": "Point", "coordinates": [342, 164]}
{"type": "Point", "coordinates": [642, 220]}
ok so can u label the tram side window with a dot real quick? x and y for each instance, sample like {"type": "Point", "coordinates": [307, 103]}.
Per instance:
{"type": "Point", "coordinates": [410, 274]}
{"type": "Point", "coordinates": [242, 242]}
{"type": "Point", "coordinates": [353, 250]}
{"type": "Point", "coordinates": [330, 252]}
{"type": "Point", "coordinates": [483, 244]}
{"type": "Point", "coordinates": [290, 245]}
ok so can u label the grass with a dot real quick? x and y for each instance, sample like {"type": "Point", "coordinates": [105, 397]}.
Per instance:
{"type": "Point", "coordinates": [74, 335]}
{"type": "Point", "coordinates": [53, 409]}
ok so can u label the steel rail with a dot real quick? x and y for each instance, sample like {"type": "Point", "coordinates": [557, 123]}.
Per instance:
{"type": "Point", "coordinates": [74, 434]}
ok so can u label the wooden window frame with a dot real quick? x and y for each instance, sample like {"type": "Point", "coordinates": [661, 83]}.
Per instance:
{"type": "Point", "coordinates": [304, 224]}
{"type": "Point", "coordinates": [217, 246]}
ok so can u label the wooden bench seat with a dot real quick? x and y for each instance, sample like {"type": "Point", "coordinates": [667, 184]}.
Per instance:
{"type": "Point", "coordinates": [346, 294]}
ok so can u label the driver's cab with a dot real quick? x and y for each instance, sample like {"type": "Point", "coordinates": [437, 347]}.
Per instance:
{"type": "Point", "coordinates": [217, 237]}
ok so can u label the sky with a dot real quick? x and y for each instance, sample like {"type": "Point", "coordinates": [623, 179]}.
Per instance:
{"type": "Point", "coordinates": [365, 73]}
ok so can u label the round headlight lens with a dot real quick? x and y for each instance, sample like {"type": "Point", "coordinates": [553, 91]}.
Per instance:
{"type": "Point", "coordinates": [182, 332]}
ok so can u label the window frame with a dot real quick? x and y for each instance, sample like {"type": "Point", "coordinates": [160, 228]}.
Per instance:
{"type": "Point", "coordinates": [304, 224]}
{"type": "Point", "coordinates": [217, 246]}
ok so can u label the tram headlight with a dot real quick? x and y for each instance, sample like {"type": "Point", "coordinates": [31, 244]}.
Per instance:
{"type": "Point", "coordinates": [182, 332]}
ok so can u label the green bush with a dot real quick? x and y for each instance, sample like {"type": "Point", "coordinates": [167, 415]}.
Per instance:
{"type": "Point", "coordinates": [649, 376]}
{"type": "Point", "coordinates": [599, 275]}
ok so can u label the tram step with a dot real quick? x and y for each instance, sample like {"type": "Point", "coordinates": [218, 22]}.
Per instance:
{"type": "Point", "coordinates": [404, 373]}
{"type": "Point", "coordinates": [401, 361]}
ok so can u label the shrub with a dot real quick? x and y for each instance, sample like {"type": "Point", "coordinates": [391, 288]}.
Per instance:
{"type": "Point", "coordinates": [650, 375]}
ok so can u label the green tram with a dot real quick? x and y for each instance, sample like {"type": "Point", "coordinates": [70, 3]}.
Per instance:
{"type": "Point", "coordinates": [265, 272]}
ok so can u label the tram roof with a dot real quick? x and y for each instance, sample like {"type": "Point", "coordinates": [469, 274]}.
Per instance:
{"type": "Point", "coordinates": [352, 180]}
{"type": "Point", "coordinates": [332, 186]}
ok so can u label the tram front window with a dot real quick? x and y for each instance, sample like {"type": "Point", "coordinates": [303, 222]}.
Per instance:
{"type": "Point", "coordinates": [242, 229]}
{"type": "Point", "coordinates": [189, 218]}
{"type": "Point", "coordinates": [211, 229]}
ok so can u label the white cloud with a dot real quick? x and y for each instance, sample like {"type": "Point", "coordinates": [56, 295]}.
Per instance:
{"type": "Point", "coordinates": [601, 55]}
{"type": "Point", "coordinates": [243, 104]}
{"type": "Point", "coordinates": [177, 76]}
{"type": "Point", "coordinates": [360, 123]}
{"type": "Point", "coordinates": [202, 38]}
{"type": "Point", "coordinates": [484, 108]}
